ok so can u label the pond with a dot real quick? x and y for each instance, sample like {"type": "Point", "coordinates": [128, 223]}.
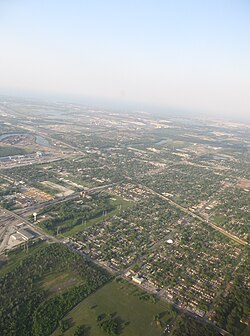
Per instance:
{"type": "Point", "coordinates": [39, 139]}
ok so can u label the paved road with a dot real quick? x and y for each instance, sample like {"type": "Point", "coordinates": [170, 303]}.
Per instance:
{"type": "Point", "coordinates": [10, 229]}
{"type": "Point", "coordinates": [22, 214]}
{"type": "Point", "coordinates": [193, 214]}
{"type": "Point", "coordinates": [118, 274]}
{"type": "Point", "coordinates": [29, 210]}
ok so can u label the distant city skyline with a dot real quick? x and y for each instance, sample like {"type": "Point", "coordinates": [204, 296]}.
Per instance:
{"type": "Point", "coordinates": [181, 55]}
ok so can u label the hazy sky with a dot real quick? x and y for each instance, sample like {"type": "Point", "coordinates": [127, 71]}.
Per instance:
{"type": "Point", "coordinates": [188, 54]}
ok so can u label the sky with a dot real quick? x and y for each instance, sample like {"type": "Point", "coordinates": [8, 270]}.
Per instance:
{"type": "Point", "coordinates": [192, 55]}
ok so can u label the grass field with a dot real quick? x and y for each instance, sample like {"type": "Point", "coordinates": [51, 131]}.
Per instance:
{"type": "Point", "coordinates": [58, 282]}
{"type": "Point", "coordinates": [44, 283]}
{"type": "Point", "coordinates": [119, 205]}
{"type": "Point", "coordinates": [125, 304]}
{"type": "Point", "coordinates": [219, 219]}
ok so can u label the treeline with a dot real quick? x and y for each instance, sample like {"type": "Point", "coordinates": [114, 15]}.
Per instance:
{"type": "Point", "coordinates": [10, 151]}
{"type": "Point", "coordinates": [36, 174]}
{"type": "Point", "coordinates": [10, 190]}
{"type": "Point", "coordinates": [50, 312]}
{"type": "Point", "coordinates": [25, 307]}
{"type": "Point", "coordinates": [233, 309]}
{"type": "Point", "coordinates": [188, 326]}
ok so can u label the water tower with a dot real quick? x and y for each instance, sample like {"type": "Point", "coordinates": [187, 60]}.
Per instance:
{"type": "Point", "coordinates": [34, 215]}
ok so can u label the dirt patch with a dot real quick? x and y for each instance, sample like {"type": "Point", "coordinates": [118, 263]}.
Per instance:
{"type": "Point", "coordinates": [63, 285]}
{"type": "Point", "coordinates": [244, 184]}
{"type": "Point", "coordinates": [59, 282]}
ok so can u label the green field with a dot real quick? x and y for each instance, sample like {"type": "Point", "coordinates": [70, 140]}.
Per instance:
{"type": "Point", "coordinates": [135, 312]}
{"type": "Point", "coordinates": [39, 287]}
{"type": "Point", "coordinates": [219, 219]}
{"type": "Point", "coordinates": [58, 282]}
{"type": "Point", "coordinates": [71, 217]}
{"type": "Point", "coordinates": [11, 150]}
{"type": "Point", "coordinates": [118, 203]}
